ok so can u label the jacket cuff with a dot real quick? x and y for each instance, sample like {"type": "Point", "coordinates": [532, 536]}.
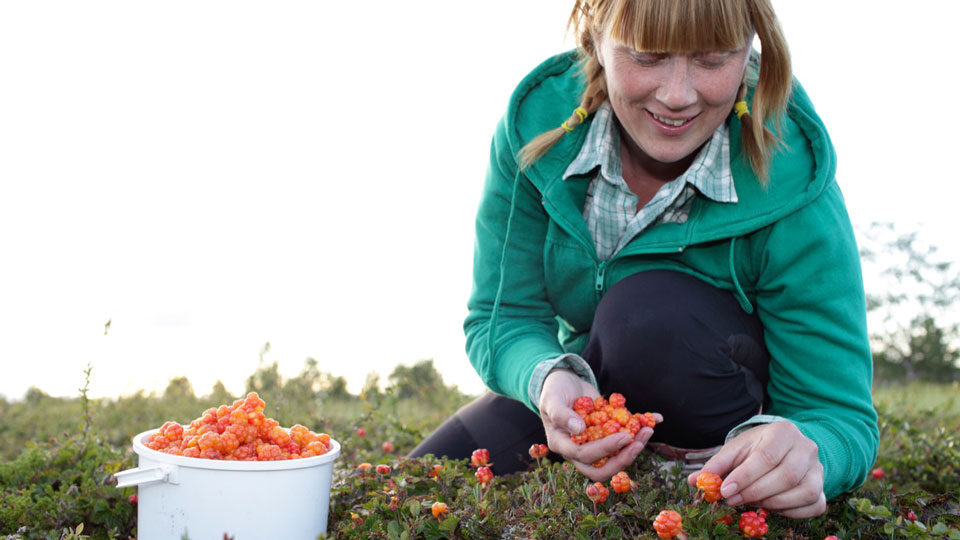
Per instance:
{"type": "Point", "coordinates": [569, 361]}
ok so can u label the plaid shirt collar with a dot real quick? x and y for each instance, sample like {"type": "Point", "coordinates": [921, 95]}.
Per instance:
{"type": "Point", "coordinates": [710, 171]}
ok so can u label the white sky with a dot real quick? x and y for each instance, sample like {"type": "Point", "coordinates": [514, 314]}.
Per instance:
{"type": "Point", "coordinates": [215, 175]}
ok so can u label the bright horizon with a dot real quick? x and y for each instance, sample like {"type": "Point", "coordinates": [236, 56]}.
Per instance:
{"type": "Point", "coordinates": [214, 176]}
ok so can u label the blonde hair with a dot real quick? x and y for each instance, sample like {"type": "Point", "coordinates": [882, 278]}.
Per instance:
{"type": "Point", "coordinates": [685, 26]}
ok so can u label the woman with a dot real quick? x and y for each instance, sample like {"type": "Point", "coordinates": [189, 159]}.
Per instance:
{"type": "Point", "coordinates": [680, 239]}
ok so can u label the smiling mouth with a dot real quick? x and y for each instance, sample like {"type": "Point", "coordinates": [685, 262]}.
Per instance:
{"type": "Point", "coordinates": [671, 122]}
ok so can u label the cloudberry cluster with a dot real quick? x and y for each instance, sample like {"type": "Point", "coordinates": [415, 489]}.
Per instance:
{"type": "Point", "coordinates": [480, 457]}
{"type": "Point", "coordinates": [668, 524]}
{"type": "Point", "coordinates": [753, 525]}
{"type": "Point", "coordinates": [440, 510]}
{"type": "Point", "coordinates": [621, 482]}
{"type": "Point", "coordinates": [484, 475]}
{"type": "Point", "coordinates": [604, 418]}
{"type": "Point", "coordinates": [238, 432]}
{"type": "Point", "coordinates": [708, 486]}
{"type": "Point", "coordinates": [538, 451]}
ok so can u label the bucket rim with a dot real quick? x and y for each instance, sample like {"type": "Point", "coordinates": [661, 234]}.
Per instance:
{"type": "Point", "coordinates": [218, 464]}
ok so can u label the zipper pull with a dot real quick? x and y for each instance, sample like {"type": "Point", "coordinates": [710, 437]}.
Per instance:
{"type": "Point", "coordinates": [600, 272]}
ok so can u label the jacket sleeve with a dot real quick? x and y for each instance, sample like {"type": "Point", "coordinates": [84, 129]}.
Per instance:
{"type": "Point", "coordinates": [811, 302]}
{"type": "Point", "coordinates": [511, 326]}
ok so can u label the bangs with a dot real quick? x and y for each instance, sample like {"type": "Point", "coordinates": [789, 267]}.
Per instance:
{"type": "Point", "coordinates": [679, 25]}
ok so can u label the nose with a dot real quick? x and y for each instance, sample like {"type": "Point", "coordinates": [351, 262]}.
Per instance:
{"type": "Point", "coordinates": [677, 90]}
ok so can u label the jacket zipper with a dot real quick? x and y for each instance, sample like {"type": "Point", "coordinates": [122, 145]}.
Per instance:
{"type": "Point", "coordinates": [592, 250]}
{"type": "Point", "coordinates": [601, 270]}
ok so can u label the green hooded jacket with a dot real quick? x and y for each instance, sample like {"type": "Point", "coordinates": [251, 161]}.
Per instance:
{"type": "Point", "coordinates": [786, 250]}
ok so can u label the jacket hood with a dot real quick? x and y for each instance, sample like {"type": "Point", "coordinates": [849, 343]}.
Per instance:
{"type": "Point", "coordinates": [800, 169]}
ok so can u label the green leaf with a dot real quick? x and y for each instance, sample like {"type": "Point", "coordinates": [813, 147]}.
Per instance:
{"type": "Point", "coordinates": [888, 528]}
{"type": "Point", "coordinates": [954, 534]}
{"type": "Point", "coordinates": [449, 524]}
{"type": "Point", "coordinates": [414, 507]}
{"type": "Point", "coordinates": [939, 528]}
{"type": "Point", "coordinates": [405, 535]}
{"type": "Point", "coordinates": [393, 530]}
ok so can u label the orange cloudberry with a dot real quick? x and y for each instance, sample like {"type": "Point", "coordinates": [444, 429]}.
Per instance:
{"type": "Point", "coordinates": [538, 451]}
{"type": "Point", "coordinates": [484, 475]}
{"type": "Point", "coordinates": [753, 525]}
{"type": "Point", "coordinates": [597, 492]}
{"type": "Point", "coordinates": [439, 509]}
{"type": "Point", "coordinates": [621, 482]}
{"type": "Point", "coordinates": [708, 486]}
{"type": "Point", "coordinates": [480, 457]}
{"type": "Point", "coordinates": [668, 524]}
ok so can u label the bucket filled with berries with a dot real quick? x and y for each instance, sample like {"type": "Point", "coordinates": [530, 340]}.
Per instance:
{"type": "Point", "coordinates": [233, 472]}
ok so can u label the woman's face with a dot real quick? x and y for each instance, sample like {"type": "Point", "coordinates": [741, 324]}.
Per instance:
{"type": "Point", "coordinates": [669, 104]}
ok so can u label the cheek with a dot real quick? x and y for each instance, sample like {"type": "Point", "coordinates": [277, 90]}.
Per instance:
{"type": "Point", "coordinates": [720, 90]}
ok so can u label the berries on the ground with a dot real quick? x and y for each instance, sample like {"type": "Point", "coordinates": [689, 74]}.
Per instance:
{"type": "Point", "coordinates": [484, 475]}
{"type": "Point", "coordinates": [383, 470]}
{"type": "Point", "coordinates": [597, 492]}
{"type": "Point", "coordinates": [538, 451]}
{"type": "Point", "coordinates": [753, 525]}
{"type": "Point", "coordinates": [439, 510]}
{"type": "Point", "coordinates": [361, 432]}
{"type": "Point", "coordinates": [708, 484]}
{"type": "Point", "coordinates": [435, 472]}
{"type": "Point", "coordinates": [387, 447]}
{"type": "Point", "coordinates": [621, 482]}
{"type": "Point", "coordinates": [480, 457]}
{"type": "Point", "coordinates": [364, 467]}
{"type": "Point", "coordinates": [911, 516]}
{"type": "Point", "coordinates": [726, 520]}
{"type": "Point", "coordinates": [668, 524]}
{"type": "Point", "coordinates": [877, 473]}
{"type": "Point", "coordinates": [831, 537]}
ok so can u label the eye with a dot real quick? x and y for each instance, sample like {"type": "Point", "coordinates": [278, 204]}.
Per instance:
{"type": "Point", "coordinates": [647, 58]}
{"type": "Point", "coordinates": [712, 59]}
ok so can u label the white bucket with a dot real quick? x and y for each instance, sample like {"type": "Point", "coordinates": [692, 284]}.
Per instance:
{"type": "Point", "coordinates": [250, 500]}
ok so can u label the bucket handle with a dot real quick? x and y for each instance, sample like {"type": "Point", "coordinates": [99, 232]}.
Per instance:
{"type": "Point", "coordinates": [137, 476]}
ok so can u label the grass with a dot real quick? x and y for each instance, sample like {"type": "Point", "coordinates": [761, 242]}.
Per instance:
{"type": "Point", "coordinates": [920, 456]}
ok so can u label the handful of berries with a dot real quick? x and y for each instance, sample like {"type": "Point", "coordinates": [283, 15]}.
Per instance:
{"type": "Point", "coordinates": [238, 432]}
{"type": "Point", "coordinates": [604, 418]}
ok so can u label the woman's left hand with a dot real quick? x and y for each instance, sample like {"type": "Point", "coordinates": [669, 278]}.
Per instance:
{"type": "Point", "coordinates": [773, 466]}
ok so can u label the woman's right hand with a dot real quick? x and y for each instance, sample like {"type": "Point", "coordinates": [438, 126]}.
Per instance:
{"type": "Point", "coordinates": [560, 389]}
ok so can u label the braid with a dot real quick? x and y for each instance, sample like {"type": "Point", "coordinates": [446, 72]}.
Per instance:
{"type": "Point", "coordinates": [593, 97]}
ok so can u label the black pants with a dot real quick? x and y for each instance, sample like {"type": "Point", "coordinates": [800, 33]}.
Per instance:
{"type": "Point", "coordinates": [669, 342]}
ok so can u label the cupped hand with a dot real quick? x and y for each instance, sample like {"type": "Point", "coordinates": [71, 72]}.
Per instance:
{"type": "Point", "coordinates": [773, 466]}
{"type": "Point", "coordinates": [560, 389]}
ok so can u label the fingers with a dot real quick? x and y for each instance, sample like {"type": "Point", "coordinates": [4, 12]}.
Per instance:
{"type": "Point", "coordinates": [615, 464]}
{"type": "Point", "coordinates": [813, 510]}
{"type": "Point", "coordinates": [772, 466]}
{"type": "Point", "coordinates": [796, 481]}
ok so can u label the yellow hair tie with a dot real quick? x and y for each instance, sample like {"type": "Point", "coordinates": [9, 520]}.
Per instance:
{"type": "Point", "coordinates": [741, 109]}
{"type": "Point", "coordinates": [581, 114]}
